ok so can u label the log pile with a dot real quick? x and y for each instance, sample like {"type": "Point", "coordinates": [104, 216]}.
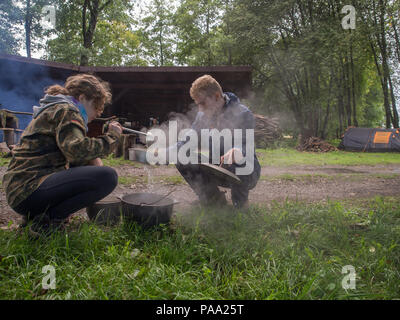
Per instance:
{"type": "Point", "coordinates": [314, 144]}
{"type": "Point", "coordinates": [266, 131]}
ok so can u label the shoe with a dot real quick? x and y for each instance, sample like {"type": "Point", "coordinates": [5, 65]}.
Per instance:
{"type": "Point", "coordinates": [216, 200]}
{"type": "Point", "coordinates": [241, 205]}
{"type": "Point", "coordinates": [43, 226]}
{"type": "Point", "coordinates": [24, 222]}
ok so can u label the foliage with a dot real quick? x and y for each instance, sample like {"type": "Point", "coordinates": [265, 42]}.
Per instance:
{"type": "Point", "coordinates": [285, 157]}
{"type": "Point", "coordinates": [9, 17]}
{"type": "Point", "coordinates": [285, 251]}
{"type": "Point", "coordinates": [317, 77]}
{"type": "Point", "coordinates": [157, 34]}
{"type": "Point", "coordinates": [114, 42]}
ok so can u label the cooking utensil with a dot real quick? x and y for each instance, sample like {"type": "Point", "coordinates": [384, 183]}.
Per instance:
{"type": "Point", "coordinates": [138, 154]}
{"type": "Point", "coordinates": [106, 211]}
{"type": "Point", "coordinates": [163, 197]}
{"type": "Point", "coordinates": [147, 209]}
{"type": "Point", "coordinates": [223, 177]}
{"type": "Point", "coordinates": [127, 130]}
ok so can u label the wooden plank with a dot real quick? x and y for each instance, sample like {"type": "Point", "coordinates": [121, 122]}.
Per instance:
{"type": "Point", "coordinates": [18, 112]}
{"type": "Point", "coordinates": [11, 129]}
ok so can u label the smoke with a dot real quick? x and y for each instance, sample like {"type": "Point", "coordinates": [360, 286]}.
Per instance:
{"type": "Point", "coordinates": [183, 120]}
{"type": "Point", "coordinates": [22, 86]}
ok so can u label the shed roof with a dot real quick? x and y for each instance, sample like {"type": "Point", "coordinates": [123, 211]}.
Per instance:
{"type": "Point", "coordinates": [140, 91]}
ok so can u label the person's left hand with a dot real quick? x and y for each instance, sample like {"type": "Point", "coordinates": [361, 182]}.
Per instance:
{"type": "Point", "coordinates": [232, 156]}
{"type": "Point", "coordinates": [96, 162]}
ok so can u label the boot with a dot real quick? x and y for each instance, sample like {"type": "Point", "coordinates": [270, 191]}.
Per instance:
{"type": "Point", "coordinates": [215, 200]}
{"type": "Point", "coordinates": [44, 226]}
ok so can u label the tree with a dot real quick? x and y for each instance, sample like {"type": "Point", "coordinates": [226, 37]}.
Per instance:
{"type": "Point", "coordinates": [98, 34]}
{"type": "Point", "coordinates": [375, 24]}
{"type": "Point", "coordinates": [9, 18]}
{"type": "Point", "coordinates": [32, 17]}
{"type": "Point", "coordinates": [157, 34]}
{"type": "Point", "coordinates": [197, 23]}
{"type": "Point", "coordinates": [302, 55]}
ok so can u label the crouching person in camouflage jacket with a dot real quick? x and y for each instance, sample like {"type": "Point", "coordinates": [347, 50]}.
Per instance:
{"type": "Point", "coordinates": [56, 169]}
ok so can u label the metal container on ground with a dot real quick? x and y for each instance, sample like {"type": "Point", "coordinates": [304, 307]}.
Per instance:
{"type": "Point", "coordinates": [138, 154]}
{"type": "Point", "coordinates": [147, 209]}
{"type": "Point", "coordinates": [106, 211]}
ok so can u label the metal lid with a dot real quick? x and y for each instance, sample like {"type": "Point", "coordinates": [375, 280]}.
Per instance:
{"type": "Point", "coordinates": [109, 200]}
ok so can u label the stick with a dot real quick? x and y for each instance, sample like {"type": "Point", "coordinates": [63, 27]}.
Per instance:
{"type": "Point", "coordinates": [136, 132]}
{"type": "Point", "coordinates": [18, 112]}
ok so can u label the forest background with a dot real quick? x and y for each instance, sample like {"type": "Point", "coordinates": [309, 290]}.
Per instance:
{"type": "Point", "coordinates": [321, 66]}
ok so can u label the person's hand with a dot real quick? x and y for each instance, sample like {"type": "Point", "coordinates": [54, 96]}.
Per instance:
{"type": "Point", "coordinates": [96, 162]}
{"type": "Point", "coordinates": [115, 126]}
{"type": "Point", "coordinates": [232, 156]}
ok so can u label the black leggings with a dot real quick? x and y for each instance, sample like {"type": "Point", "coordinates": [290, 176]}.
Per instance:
{"type": "Point", "coordinates": [68, 191]}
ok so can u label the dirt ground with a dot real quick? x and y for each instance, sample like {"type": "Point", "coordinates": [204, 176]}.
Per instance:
{"type": "Point", "coordinates": [306, 183]}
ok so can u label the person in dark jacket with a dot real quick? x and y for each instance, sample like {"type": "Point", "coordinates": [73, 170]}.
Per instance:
{"type": "Point", "coordinates": [56, 169]}
{"type": "Point", "coordinates": [219, 110]}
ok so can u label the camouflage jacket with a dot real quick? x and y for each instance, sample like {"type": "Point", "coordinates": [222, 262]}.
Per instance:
{"type": "Point", "coordinates": [54, 141]}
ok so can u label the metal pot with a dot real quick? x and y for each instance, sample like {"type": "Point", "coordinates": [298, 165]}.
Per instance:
{"type": "Point", "coordinates": [147, 209]}
{"type": "Point", "coordinates": [138, 154]}
{"type": "Point", "coordinates": [106, 211]}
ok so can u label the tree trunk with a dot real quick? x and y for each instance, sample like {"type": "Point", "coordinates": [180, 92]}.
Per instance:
{"type": "Point", "coordinates": [28, 25]}
{"type": "Point", "coordinates": [394, 108]}
{"type": "Point", "coordinates": [325, 125]}
{"type": "Point", "coordinates": [88, 31]}
{"type": "Point", "coordinates": [161, 48]}
{"type": "Point", "coordinates": [396, 37]}
{"type": "Point", "coordinates": [353, 89]}
{"type": "Point", "coordinates": [385, 65]}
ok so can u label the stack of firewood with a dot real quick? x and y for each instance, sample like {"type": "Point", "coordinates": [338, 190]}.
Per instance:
{"type": "Point", "coordinates": [266, 131]}
{"type": "Point", "coordinates": [314, 144]}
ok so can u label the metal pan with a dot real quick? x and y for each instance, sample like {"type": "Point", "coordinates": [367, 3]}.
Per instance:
{"type": "Point", "coordinates": [147, 209]}
{"type": "Point", "coordinates": [223, 177]}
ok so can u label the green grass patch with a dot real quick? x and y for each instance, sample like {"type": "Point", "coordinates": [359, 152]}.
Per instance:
{"type": "Point", "coordinates": [129, 180]}
{"type": "Point", "coordinates": [317, 177]}
{"type": "Point", "coordinates": [291, 157]}
{"type": "Point", "coordinates": [112, 161]}
{"type": "Point", "coordinates": [297, 177]}
{"type": "Point", "coordinates": [4, 161]}
{"type": "Point", "coordinates": [288, 250]}
{"type": "Point", "coordinates": [174, 180]}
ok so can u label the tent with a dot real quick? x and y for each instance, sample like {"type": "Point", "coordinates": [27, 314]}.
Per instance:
{"type": "Point", "coordinates": [371, 140]}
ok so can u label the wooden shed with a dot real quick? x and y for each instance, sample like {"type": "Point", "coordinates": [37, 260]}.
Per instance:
{"type": "Point", "coordinates": [139, 93]}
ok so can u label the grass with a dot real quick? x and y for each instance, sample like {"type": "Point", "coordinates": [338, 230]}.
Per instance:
{"type": "Point", "coordinates": [129, 180]}
{"type": "Point", "coordinates": [170, 180]}
{"type": "Point", "coordinates": [174, 180]}
{"type": "Point", "coordinates": [112, 161]}
{"type": "Point", "coordinates": [286, 157]}
{"type": "Point", "coordinates": [317, 177]}
{"type": "Point", "coordinates": [4, 161]}
{"type": "Point", "coordinates": [288, 250]}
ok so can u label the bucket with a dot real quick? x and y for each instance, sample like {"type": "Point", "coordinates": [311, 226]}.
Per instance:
{"type": "Point", "coordinates": [147, 209]}
{"type": "Point", "coordinates": [17, 136]}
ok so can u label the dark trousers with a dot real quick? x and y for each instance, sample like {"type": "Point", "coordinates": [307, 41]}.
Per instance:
{"type": "Point", "coordinates": [68, 191]}
{"type": "Point", "coordinates": [206, 187]}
